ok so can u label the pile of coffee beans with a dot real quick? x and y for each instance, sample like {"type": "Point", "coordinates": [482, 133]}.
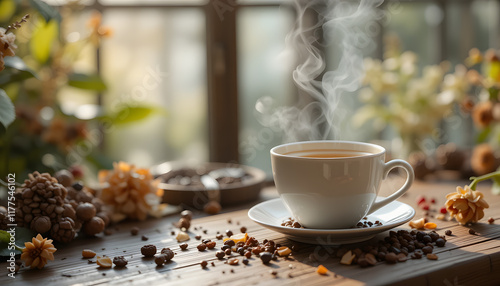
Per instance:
{"type": "Point", "coordinates": [397, 247]}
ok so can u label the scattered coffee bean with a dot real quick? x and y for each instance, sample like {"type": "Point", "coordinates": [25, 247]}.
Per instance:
{"type": "Point", "coordinates": [148, 250]}
{"type": "Point", "coordinates": [491, 220]}
{"type": "Point", "coordinates": [224, 247]}
{"type": "Point", "coordinates": [183, 246]}
{"type": "Point", "coordinates": [212, 263]}
{"type": "Point", "coordinates": [440, 242]}
{"type": "Point", "coordinates": [134, 230]}
{"type": "Point", "coordinates": [229, 242]}
{"type": "Point", "coordinates": [228, 251]}
{"type": "Point", "coordinates": [448, 232]}
{"type": "Point", "coordinates": [229, 233]}
{"type": "Point", "coordinates": [266, 257]}
{"type": "Point", "coordinates": [144, 238]}
{"type": "Point", "coordinates": [220, 254]}
{"type": "Point", "coordinates": [205, 231]}
{"type": "Point", "coordinates": [243, 229]}
{"type": "Point", "coordinates": [169, 254]}
{"type": "Point", "coordinates": [245, 261]}
{"type": "Point", "coordinates": [197, 237]}
{"type": "Point", "coordinates": [391, 258]}
{"type": "Point", "coordinates": [273, 272]}
{"type": "Point", "coordinates": [471, 231]}
{"type": "Point", "coordinates": [248, 254]}
{"type": "Point", "coordinates": [427, 249]}
{"type": "Point", "coordinates": [201, 247]}
{"type": "Point", "coordinates": [203, 264]}
{"type": "Point", "coordinates": [160, 259]}
{"type": "Point", "coordinates": [219, 236]}
{"type": "Point", "coordinates": [241, 251]}
{"type": "Point", "coordinates": [233, 261]}
{"type": "Point", "coordinates": [211, 244]}
{"type": "Point", "coordinates": [205, 241]}
{"type": "Point", "coordinates": [120, 261]}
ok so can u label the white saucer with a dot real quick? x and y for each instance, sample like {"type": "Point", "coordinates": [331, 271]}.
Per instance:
{"type": "Point", "coordinates": [272, 213]}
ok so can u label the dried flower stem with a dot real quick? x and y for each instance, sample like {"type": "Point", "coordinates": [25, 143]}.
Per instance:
{"type": "Point", "coordinates": [475, 180]}
{"type": "Point", "coordinates": [17, 25]}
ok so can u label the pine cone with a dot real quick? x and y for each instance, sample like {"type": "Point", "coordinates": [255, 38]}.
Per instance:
{"type": "Point", "coordinates": [40, 195]}
{"type": "Point", "coordinates": [64, 230]}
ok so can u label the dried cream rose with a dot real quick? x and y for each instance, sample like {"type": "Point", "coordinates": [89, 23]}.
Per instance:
{"type": "Point", "coordinates": [466, 205]}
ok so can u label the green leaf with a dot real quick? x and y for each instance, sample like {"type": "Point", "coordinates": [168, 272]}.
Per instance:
{"type": "Point", "coordinates": [48, 12]}
{"type": "Point", "coordinates": [42, 38]}
{"type": "Point", "coordinates": [16, 70]}
{"type": "Point", "coordinates": [483, 136]}
{"type": "Point", "coordinates": [22, 235]}
{"type": "Point", "coordinates": [87, 82]}
{"type": "Point", "coordinates": [4, 236]}
{"type": "Point", "coordinates": [129, 114]}
{"type": "Point", "coordinates": [7, 111]}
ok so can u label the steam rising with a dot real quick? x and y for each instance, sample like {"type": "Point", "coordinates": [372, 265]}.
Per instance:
{"type": "Point", "coordinates": [349, 27]}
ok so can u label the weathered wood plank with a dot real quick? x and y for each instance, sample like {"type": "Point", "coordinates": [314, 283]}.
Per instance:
{"type": "Point", "coordinates": [466, 259]}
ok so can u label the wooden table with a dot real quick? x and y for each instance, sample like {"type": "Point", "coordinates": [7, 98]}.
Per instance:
{"type": "Point", "coordinates": [465, 260]}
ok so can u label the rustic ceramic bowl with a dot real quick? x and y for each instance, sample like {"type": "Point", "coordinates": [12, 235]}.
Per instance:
{"type": "Point", "coordinates": [193, 196]}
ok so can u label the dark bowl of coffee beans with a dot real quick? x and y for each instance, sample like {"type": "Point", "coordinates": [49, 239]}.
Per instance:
{"type": "Point", "coordinates": [194, 184]}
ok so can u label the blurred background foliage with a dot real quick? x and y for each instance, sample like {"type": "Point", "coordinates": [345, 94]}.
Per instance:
{"type": "Point", "coordinates": [50, 66]}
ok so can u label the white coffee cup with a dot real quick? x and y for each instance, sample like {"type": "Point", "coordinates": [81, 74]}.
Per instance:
{"type": "Point", "coordinates": [333, 184]}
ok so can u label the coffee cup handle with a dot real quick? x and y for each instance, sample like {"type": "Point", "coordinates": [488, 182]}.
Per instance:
{"type": "Point", "coordinates": [409, 180]}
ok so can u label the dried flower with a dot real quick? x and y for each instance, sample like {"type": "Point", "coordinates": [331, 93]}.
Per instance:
{"type": "Point", "coordinates": [7, 41]}
{"type": "Point", "coordinates": [131, 191]}
{"type": "Point", "coordinates": [98, 31]}
{"type": "Point", "coordinates": [37, 252]}
{"type": "Point", "coordinates": [483, 159]}
{"type": "Point", "coordinates": [466, 205]}
{"type": "Point", "coordinates": [482, 114]}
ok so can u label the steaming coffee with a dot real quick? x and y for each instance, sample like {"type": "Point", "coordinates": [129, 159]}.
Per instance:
{"type": "Point", "coordinates": [333, 184]}
{"type": "Point", "coordinates": [327, 154]}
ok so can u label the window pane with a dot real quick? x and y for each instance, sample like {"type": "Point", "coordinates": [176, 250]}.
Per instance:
{"type": "Point", "coordinates": [415, 23]}
{"type": "Point", "coordinates": [158, 59]}
{"type": "Point", "coordinates": [264, 75]}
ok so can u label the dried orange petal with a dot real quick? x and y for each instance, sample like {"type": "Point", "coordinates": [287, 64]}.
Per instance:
{"type": "Point", "coordinates": [430, 225]}
{"type": "Point", "coordinates": [322, 270]}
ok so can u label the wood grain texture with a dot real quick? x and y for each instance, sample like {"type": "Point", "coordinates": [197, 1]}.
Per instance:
{"type": "Point", "coordinates": [465, 260]}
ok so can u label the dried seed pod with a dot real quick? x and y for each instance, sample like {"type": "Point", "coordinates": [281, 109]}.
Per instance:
{"type": "Point", "coordinates": [63, 230]}
{"type": "Point", "coordinates": [85, 211]}
{"type": "Point", "coordinates": [64, 177]}
{"type": "Point", "coordinates": [94, 226]}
